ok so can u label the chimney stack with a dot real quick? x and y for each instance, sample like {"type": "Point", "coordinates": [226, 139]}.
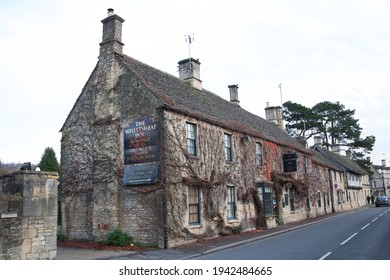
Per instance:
{"type": "Point", "coordinates": [189, 70]}
{"type": "Point", "coordinates": [317, 141]}
{"type": "Point", "coordinates": [233, 89]}
{"type": "Point", "coordinates": [383, 162]}
{"type": "Point", "coordinates": [112, 34]}
{"type": "Point", "coordinates": [335, 149]}
{"type": "Point", "coordinates": [274, 114]}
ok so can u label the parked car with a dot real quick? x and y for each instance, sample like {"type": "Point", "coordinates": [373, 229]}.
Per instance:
{"type": "Point", "coordinates": [382, 200]}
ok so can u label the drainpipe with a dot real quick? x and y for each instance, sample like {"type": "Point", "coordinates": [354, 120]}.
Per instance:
{"type": "Point", "coordinates": [331, 191]}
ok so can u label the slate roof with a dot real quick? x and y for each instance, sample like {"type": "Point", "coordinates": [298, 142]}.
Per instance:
{"type": "Point", "coordinates": [342, 161]}
{"type": "Point", "coordinates": [321, 159]}
{"type": "Point", "coordinates": [178, 95]}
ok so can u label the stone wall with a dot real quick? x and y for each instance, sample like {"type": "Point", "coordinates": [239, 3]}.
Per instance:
{"type": "Point", "coordinates": [28, 215]}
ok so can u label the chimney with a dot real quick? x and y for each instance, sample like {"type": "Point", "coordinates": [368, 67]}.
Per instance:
{"type": "Point", "coordinates": [383, 162]}
{"type": "Point", "coordinates": [233, 89]}
{"type": "Point", "coordinates": [301, 140]}
{"type": "Point", "coordinates": [274, 114]}
{"type": "Point", "coordinates": [317, 141]}
{"type": "Point", "coordinates": [112, 34]}
{"type": "Point", "coordinates": [189, 70]}
{"type": "Point", "coordinates": [348, 153]}
{"type": "Point", "coordinates": [335, 149]}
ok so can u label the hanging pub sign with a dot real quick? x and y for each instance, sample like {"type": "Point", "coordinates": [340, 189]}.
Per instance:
{"type": "Point", "coordinates": [290, 162]}
{"type": "Point", "coordinates": [141, 142]}
{"type": "Point", "coordinates": [141, 152]}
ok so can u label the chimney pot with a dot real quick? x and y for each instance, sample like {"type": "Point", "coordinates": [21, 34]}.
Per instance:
{"type": "Point", "coordinates": [110, 12]}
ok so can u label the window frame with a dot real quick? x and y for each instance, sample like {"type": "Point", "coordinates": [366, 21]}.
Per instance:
{"type": "Point", "coordinates": [266, 196]}
{"type": "Point", "coordinates": [319, 200]}
{"type": "Point", "coordinates": [228, 147]}
{"type": "Point", "coordinates": [231, 203]}
{"type": "Point", "coordinates": [291, 194]}
{"type": "Point", "coordinates": [194, 203]}
{"type": "Point", "coordinates": [191, 149]}
{"type": "Point", "coordinates": [259, 154]}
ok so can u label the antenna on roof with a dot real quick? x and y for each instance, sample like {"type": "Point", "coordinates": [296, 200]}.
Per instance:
{"type": "Point", "coordinates": [281, 99]}
{"type": "Point", "coordinates": [189, 39]}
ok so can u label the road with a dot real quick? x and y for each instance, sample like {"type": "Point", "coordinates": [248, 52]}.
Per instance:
{"type": "Point", "coordinates": [357, 235]}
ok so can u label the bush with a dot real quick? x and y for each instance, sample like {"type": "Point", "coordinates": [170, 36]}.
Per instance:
{"type": "Point", "coordinates": [118, 238]}
{"type": "Point", "coordinates": [237, 229]}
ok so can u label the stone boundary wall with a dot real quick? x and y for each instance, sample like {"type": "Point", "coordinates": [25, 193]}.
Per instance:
{"type": "Point", "coordinates": [28, 215]}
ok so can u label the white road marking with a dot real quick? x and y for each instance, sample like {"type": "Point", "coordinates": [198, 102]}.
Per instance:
{"type": "Point", "coordinates": [349, 238]}
{"type": "Point", "coordinates": [365, 226]}
{"type": "Point", "coordinates": [325, 256]}
{"type": "Point", "coordinates": [374, 220]}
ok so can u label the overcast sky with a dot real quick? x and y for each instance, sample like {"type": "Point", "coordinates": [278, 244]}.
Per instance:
{"type": "Point", "coordinates": [334, 50]}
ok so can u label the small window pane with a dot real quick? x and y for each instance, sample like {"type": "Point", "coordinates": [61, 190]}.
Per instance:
{"type": "Point", "coordinates": [259, 154]}
{"type": "Point", "coordinates": [228, 147]}
{"type": "Point", "coordinates": [191, 139]}
{"type": "Point", "coordinates": [193, 205]}
{"type": "Point", "coordinates": [231, 203]}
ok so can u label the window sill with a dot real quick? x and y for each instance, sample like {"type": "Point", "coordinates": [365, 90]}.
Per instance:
{"type": "Point", "coordinates": [233, 220]}
{"type": "Point", "coordinates": [195, 226]}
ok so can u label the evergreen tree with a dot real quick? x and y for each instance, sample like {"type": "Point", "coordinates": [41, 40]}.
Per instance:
{"type": "Point", "coordinates": [300, 120]}
{"type": "Point", "coordinates": [333, 122]}
{"type": "Point", "coordinates": [49, 161]}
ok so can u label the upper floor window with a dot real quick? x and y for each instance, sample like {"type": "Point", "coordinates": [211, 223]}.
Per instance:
{"type": "Point", "coordinates": [259, 154]}
{"type": "Point", "coordinates": [191, 138]}
{"type": "Point", "coordinates": [228, 147]}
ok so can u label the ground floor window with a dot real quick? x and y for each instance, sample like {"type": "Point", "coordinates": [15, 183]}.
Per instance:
{"type": "Point", "coordinates": [291, 193]}
{"type": "Point", "coordinates": [319, 199]}
{"type": "Point", "coordinates": [266, 197]}
{"type": "Point", "coordinates": [285, 199]}
{"type": "Point", "coordinates": [193, 205]}
{"type": "Point", "coordinates": [231, 203]}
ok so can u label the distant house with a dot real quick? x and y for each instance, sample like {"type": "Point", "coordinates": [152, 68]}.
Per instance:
{"type": "Point", "coordinates": [170, 162]}
{"type": "Point", "coordinates": [380, 183]}
{"type": "Point", "coordinates": [351, 182]}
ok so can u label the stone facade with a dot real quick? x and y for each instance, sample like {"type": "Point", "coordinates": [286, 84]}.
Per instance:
{"type": "Point", "coordinates": [169, 162]}
{"type": "Point", "coordinates": [28, 209]}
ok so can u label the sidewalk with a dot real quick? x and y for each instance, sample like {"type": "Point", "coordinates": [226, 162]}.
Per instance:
{"type": "Point", "coordinates": [190, 250]}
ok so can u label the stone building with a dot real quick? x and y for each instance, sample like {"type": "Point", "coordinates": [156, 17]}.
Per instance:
{"type": "Point", "coordinates": [169, 162]}
{"type": "Point", "coordinates": [350, 181]}
{"type": "Point", "coordinates": [380, 181]}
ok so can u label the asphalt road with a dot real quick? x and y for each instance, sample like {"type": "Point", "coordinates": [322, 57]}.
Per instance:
{"type": "Point", "coordinates": [358, 235]}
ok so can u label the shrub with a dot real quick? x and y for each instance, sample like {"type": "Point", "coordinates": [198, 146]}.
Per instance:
{"type": "Point", "coordinates": [117, 237]}
{"type": "Point", "coordinates": [237, 229]}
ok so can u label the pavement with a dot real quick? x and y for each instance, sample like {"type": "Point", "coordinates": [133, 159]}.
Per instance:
{"type": "Point", "coordinates": [191, 250]}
